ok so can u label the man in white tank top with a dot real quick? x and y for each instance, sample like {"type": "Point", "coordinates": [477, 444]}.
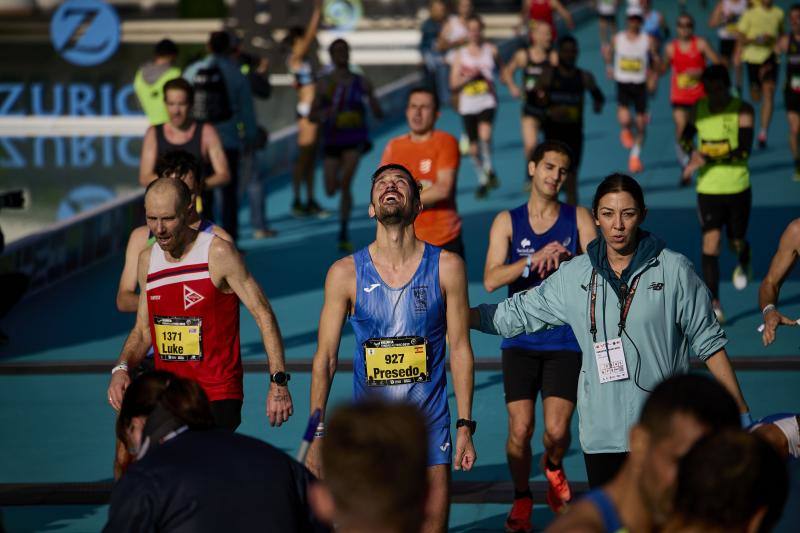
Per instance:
{"type": "Point", "coordinates": [628, 58]}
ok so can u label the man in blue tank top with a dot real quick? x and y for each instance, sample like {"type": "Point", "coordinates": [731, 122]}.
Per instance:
{"type": "Point", "coordinates": [526, 244]}
{"type": "Point", "coordinates": [404, 297]}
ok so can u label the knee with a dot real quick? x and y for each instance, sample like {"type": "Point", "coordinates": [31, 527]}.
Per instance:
{"type": "Point", "coordinates": [556, 432]}
{"type": "Point", "coordinates": [520, 432]}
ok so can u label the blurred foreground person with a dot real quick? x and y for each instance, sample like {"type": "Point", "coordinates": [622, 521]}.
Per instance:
{"type": "Point", "coordinates": [189, 477]}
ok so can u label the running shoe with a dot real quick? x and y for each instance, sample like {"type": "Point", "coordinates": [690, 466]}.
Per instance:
{"type": "Point", "coordinates": [463, 144]}
{"type": "Point", "coordinates": [482, 192]}
{"type": "Point", "coordinates": [493, 181]}
{"type": "Point", "coordinates": [558, 491]}
{"type": "Point", "coordinates": [299, 210]}
{"type": "Point", "coordinates": [762, 139]}
{"type": "Point", "coordinates": [717, 307]}
{"type": "Point", "coordinates": [741, 276]}
{"type": "Point", "coordinates": [519, 519]}
{"type": "Point", "coordinates": [314, 209]}
{"type": "Point", "coordinates": [626, 138]}
{"type": "Point", "coordinates": [635, 164]}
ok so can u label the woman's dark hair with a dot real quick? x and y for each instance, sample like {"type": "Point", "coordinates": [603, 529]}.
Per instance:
{"type": "Point", "coordinates": [182, 398]}
{"type": "Point", "coordinates": [177, 164]}
{"type": "Point", "coordinates": [618, 182]}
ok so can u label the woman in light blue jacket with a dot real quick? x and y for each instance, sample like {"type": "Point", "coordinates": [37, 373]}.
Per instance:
{"type": "Point", "coordinates": [637, 310]}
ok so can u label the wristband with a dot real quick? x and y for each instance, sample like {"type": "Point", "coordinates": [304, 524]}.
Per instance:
{"type": "Point", "coordinates": [320, 432]}
{"type": "Point", "coordinates": [527, 271]}
{"type": "Point", "coordinates": [767, 309]}
{"type": "Point", "coordinates": [746, 419]}
{"type": "Point", "coordinates": [122, 366]}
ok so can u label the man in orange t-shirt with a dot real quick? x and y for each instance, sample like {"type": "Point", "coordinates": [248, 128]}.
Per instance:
{"type": "Point", "coordinates": [433, 157]}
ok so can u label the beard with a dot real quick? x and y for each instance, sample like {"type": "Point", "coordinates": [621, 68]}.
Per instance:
{"type": "Point", "coordinates": [394, 215]}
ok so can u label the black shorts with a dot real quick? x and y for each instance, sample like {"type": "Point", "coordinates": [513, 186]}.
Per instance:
{"type": "Point", "coordinates": [227, 413]}
{"type": "Point", "coordinates": [471, 122]}
{"type": "Point", "coordinates": [685, 107]}
{"type": "Point", "coordinates": [535, 111]}
{"type": "Point", "coordinates": [334, 151]}
{"type": "Point", "coordinates": [569, 134]}
{"type": "Point", "coordinates": [633, 94]}
{"type": "Point", "coordinates": [456, 246]}
{"type": "Point", "coordinates": [729, 210]}
{"type": "Point", "coordinates": [792, 100]}
{"type": "Point", "coordinates": [526, 372]}
{"type": "Point", "coordinates": [726, 48]}
{"type": "Point", "coordinates": [758, 73]}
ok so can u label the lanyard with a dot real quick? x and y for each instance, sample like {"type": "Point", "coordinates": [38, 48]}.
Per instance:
{"type": "Point", "coordinates": [623, 313]}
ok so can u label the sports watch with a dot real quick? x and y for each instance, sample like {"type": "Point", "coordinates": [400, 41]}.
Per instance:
{"type": "Point", "coordinates": [280, 378]}
{"type": "Point", "coordinates": [471, 424]}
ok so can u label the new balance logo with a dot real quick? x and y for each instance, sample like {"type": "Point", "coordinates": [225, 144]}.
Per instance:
{"type": "Point", "coordinates": [444, 446]}
{"type": "Point", "coordinates": [371, 287]}
{"type": "Point", "coordinates": [191, 297]}
{"type": "Point", "coordinates": [656, 286]}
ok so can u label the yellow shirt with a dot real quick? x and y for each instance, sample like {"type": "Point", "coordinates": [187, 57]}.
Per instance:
{"type": "Point", "coordinates": [758, 21]}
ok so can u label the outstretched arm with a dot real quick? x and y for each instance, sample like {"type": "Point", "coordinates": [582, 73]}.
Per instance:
{"type": "Point", "coordinates": [782, 263]}
{"type": "Point", "coordinates": [453, 280]}
{"type": "Point", "coordinates": [228, 269]}
{"type": "Point", "coordinates": [339, 288]}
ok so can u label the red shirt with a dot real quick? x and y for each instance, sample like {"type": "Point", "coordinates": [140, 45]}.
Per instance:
{"type": "Point", "coordinates": [542, 11]}
{"type": "Point", "coordinates": [686, 89]}
{"type": "Point", "coordinates": [193, 324]}
{"type": "Point", "coordinates": [439, 223]}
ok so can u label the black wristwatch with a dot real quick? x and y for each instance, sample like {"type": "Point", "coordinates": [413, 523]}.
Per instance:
{"type": "Point", "coordinates": [471, 424]}
{"type": "Point", "coordinates": [280, 378]}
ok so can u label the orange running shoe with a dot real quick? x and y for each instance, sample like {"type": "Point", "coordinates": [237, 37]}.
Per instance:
{"type": "Point", "coordinates": [635, 164]}
{"type": "Point", "coordinates": [626, 138]}
{"type": "Point", "coordinates": [519, 519]}
{"type": "Point", "coordinates": [558, 491]}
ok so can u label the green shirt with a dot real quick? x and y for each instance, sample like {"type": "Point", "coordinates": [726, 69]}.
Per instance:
{"type": "Point", "coordinates": [717, 136]}
{"type": "Point", "coordinates": [758, 21]}
{"type": "Point", "coordinates": [151, 95]}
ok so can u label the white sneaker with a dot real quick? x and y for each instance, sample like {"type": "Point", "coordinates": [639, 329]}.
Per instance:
{"type": "Point", "coordinates": [740, 278]}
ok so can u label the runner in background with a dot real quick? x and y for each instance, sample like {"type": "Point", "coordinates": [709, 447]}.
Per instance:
{"type": "Point", "coordinates": [301, 64]}
{"type": "Point", "coordinates": [472, 77]}
{"type": "Point", "coordinates": [725, 17]}
{"type": "Point", "coordinates": [687, 54]}
{"type": "Point", "coordinates": [789, 44]}
{"type": "Point", "coordinates": [607, 19]}
{"type": "Point", "coordinates": [533, 60]}
{"type": "Point", "coordinates": [536, 12]}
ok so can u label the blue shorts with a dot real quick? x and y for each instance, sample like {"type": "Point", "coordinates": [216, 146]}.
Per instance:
{"type": "Point", "coordinates": [440, 446]}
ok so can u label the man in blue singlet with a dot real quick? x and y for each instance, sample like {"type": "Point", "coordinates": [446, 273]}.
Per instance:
{"type": "Point", "coordinates": [404, 297]}
{"type": "Point", "coordinates": [678, 412]}
{"type": "Point", "coordinates": [526, 244]}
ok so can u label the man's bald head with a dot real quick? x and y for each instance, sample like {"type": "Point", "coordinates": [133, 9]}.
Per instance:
{"type": "Point", "coordinates": [169, 186]}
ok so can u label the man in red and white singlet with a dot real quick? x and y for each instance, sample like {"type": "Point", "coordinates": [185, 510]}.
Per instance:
{"type": "Point", "coordinates": [189, 310]}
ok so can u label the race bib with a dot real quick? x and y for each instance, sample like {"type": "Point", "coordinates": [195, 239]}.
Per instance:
{"type": "Point", "coordinates": [564, 113]}
{"type": "Point", "coordinates": [631, 64]}
{"type": "Point", "coordinates": [396, 361]}
{"type": "Point", "coordinates": [476, 88]}
{"type": "Point", "coordinates": [794, 83]}
{"type": "Point", "coordinates": [685, 81]}
{"type": "Point", "coordinates": [178, 338]}
{"type": "Point", "coordinates": [610, 360]}
{"type": "Point", "coordinates": [349, 119]}
{"type": "Point", "coordinates": [715, 149]}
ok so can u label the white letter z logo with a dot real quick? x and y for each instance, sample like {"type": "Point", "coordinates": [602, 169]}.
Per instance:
{"type": "Point", "coordinates": [371, 287]}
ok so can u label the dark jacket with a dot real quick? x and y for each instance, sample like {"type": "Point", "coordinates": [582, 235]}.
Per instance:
{"type": "Point", "coordinates": [212, 481]}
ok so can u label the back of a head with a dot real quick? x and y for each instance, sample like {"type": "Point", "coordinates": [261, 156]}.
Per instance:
{"type": "Point", "coordinates": [182, 398]}
{"type": "Point", "coordinates": [698, 396]}
{"type": "Point", "coordinates": [219, 42]}
{"type": "Point", "coordinates": [375, 461]}
{"type": "Point", "coordinates": [716, 74]}
{"type": "Point", "coordinates": [726, 479]}
{"type": "Point", "coordinates": [165, 48]}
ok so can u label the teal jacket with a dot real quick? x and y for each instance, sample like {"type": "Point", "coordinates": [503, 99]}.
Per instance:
{"type": "Point", "coordinates": [670, 315]}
